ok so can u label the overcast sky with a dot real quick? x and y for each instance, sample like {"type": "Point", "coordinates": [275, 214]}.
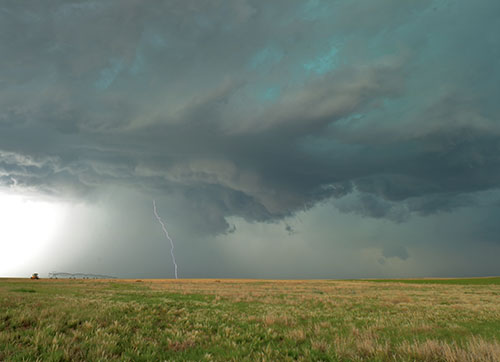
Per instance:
{"type": "Point", "coordinates": [280, 139]}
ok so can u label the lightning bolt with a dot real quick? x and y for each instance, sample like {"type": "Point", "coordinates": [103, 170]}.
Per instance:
{"type": "Point", "coordinates": [166, 234]}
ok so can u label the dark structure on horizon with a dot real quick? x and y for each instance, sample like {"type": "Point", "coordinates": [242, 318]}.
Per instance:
{"type": "Point", "coordinates": [56, 275]}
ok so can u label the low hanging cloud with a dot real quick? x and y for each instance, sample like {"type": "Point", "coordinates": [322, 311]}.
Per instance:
{"type": "Point", "coordinates": [254, 109]}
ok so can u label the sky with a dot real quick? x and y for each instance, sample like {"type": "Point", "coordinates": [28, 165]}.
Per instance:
{"type": "Point", "coordinates": [279, 139]}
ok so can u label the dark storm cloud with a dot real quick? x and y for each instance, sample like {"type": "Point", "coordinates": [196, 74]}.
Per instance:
{"type": "Point", "coordinates": [251, 108]}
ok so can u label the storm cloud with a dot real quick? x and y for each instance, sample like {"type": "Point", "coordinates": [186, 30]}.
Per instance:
{"type": "Point", "coordinates": [257, 110]}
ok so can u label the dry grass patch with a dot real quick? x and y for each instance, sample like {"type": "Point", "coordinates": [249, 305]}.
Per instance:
{"type": "Point", "coordinates": [431, 350]}
{"type": "Point", "coordinates": [297, 335]}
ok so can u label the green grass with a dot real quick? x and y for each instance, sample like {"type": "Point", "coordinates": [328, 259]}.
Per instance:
{"type": "Point", "coordinates": [23, 290]}
{"type": "Point", "coordinates": [456, 281]}
{"type": "Point", "coordinates": [192, 320]}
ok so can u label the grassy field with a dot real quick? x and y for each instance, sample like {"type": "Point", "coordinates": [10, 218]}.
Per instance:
{"type": "Point", "coordinates": [212, 320]}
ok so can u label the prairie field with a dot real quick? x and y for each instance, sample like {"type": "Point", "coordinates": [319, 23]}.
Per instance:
{"type": "Point", "coordinates": [250, 320]}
